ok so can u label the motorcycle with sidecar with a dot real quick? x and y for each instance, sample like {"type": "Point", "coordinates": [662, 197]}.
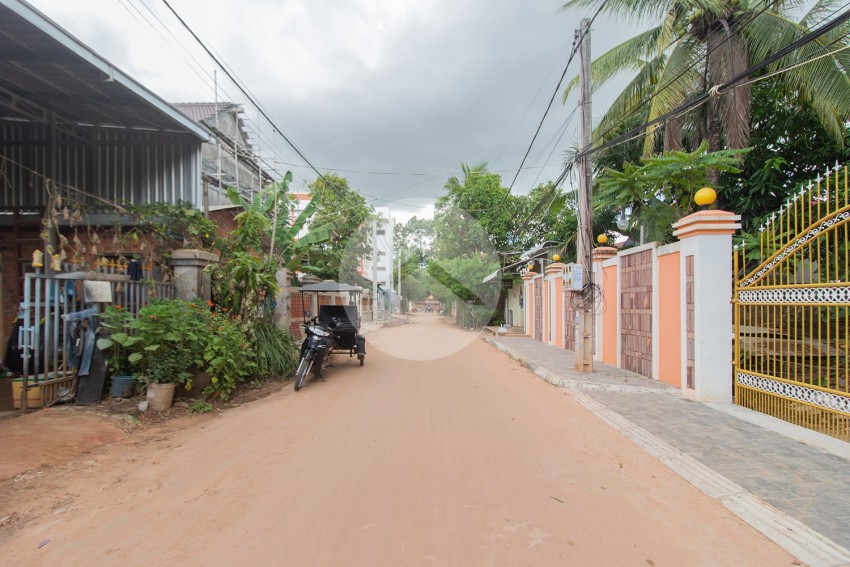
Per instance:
{"type": "Point", "coordinates": [335, 330]}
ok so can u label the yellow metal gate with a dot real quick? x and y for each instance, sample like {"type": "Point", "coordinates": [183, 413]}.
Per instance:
{"type": "Point", "coordinates": [791, 302]}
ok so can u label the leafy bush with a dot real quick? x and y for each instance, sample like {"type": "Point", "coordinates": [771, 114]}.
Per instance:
{"type": "Point", "coordinates": [114, 321]}
{"type": "Point", "coordinates": [200, 406]}
{"type": "Point", "coordinates": [226, 355]}
{"type": "Point", "coordinates": [165, 341]}
{"type": "Point", "coordinates": [274, 348]}
{"type": "Point", "coordinates": [171, 337]}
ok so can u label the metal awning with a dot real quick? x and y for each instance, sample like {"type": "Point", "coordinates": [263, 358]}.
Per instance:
{"type": "Point", "coordinates": [331, 286]}
{"type": "Point", "coordinates": [536, 252]}
{"type": "Point", "coordinates": [46, 74]}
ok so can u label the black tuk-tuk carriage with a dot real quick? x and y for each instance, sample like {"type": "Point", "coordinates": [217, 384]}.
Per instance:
{"type": "Point", "coordinates": [335, 330]}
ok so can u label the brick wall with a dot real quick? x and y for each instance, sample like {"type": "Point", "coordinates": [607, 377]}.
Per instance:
{"type": "Point", "coordinates": [18, 242]}
{"type": "Point", "coordinates": [225, 221]}
{"type": "Point", "coordinates": [298, 302]}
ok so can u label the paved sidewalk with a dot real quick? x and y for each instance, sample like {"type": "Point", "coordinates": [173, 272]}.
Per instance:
{"type": "Point", "coordinates": [788, 482]}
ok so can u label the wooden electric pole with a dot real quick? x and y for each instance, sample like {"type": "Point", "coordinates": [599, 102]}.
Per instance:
{"type": "Point", "coordinates": [584, 238]}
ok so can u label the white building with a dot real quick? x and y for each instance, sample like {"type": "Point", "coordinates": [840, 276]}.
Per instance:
{"type": "Point", "coordinates": [379, 268]}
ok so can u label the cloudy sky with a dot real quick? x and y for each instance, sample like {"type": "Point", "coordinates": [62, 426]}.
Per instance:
{"type": "Point", "coordinates": [392, 94]}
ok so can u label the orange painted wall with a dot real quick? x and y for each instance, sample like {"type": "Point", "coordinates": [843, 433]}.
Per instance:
{"type": "Point", "coordinates": [609, 317]}
{"type": "Point", "coordinates": [559, 313]}
{"type": "Point", "coordinates": [546, 322]}
{"type": "Point", "coordinates": [669, 320]}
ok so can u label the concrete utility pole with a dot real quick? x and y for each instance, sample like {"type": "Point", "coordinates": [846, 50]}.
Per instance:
{"type": "Point", "coordinates": [584, 237]}
{"type": "Point", "coordinates": [374, 270]}
{"type": "Point", "coordinates": [390, 280]}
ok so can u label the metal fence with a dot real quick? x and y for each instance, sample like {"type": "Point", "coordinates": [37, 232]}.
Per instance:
{"type": "Point", "coordinates": [791, 301]}
{"type": "Point", "coordinates": [58, 324]}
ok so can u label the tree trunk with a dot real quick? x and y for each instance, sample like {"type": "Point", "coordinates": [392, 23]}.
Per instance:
{"type": "Point", "coordinates": [673, 136]}
{"type": "Point", "coordinates": [737, 100]}
{"type": "Point", "coordinates": [714, 124]}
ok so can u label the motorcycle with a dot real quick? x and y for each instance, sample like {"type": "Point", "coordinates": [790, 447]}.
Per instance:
{"type": "Point", "coordinates": [335, 330]}
{"type": "Point", "coordinates": [315, 350]}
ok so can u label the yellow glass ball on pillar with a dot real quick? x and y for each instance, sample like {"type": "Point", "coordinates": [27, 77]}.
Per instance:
{"type": "Point", "coordinates": [602, 238]}
{"type": "Point", "coordinates": [556, 258]}
{"type": "Point", "coordinates": [705, 196]}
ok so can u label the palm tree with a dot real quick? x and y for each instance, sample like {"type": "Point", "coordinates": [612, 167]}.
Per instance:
{"type": "Point", "coordinates": [699, 44]}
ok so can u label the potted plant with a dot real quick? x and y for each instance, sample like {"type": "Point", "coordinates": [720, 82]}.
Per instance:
{"type": "Point", "coordinates": [113, 323]}
{"type": "Point", "coordinates": [164, 343]}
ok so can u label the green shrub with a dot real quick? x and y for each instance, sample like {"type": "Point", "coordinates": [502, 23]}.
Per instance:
{"type": "Point", "coordinates": [275, 350]}
{"type": "Point", "coordinates": [200, 406]}
{"type": "Point", "coordinates": [226, 356]}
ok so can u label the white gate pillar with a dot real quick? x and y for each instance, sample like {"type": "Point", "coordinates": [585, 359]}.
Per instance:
{"type": "Point", "coordinates": [528, 307]}
{"type": "Point", "coordinates": [706, 290]}
{"type": "Point", "coordinates": [600, 254]}
{"type": "Point", "coordinates": [555, 304]}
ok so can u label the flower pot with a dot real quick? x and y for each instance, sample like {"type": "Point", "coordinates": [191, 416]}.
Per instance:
{"type": "Point", "coordinates": [123, 386]}
{"type": "Point", "coordinates": [160, 396]}
{"type": "Point", "coordinates": [33, 394]}
{"type": "Point", "coordinates": [200, 381]}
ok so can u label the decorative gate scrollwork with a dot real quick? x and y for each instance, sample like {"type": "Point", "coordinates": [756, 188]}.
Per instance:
{"type": "Point", "coordinates": [792, 311]}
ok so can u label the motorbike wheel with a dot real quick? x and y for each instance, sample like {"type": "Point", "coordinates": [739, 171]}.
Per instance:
{"type": "Point", "coordinates": [303, 370]}
{"type": "Point", "coordinates": [361, 360]}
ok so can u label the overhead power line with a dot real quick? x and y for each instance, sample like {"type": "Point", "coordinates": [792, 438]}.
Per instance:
{"type": "Point", "coordinates": [242, 89]}
{"type": "Point", "coordinates": [555, 93]}
{"type": "Point", "coordinates": [735, 28]}
{"type": "Point", "coordinates": [717, 90]}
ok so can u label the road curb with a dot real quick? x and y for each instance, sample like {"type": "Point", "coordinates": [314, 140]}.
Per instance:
{"type": "Point", "coordinates": [541, 372]}
{"type": "Point", "coordinates": [571, 383]}
{"type": "Point", "coordinates": [792, 535]}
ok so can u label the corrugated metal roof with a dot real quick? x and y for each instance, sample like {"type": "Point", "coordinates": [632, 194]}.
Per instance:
{"type": "Point", "coordinates": [200, 111]}
{"type": "Point", "coordinates": [44, 69]}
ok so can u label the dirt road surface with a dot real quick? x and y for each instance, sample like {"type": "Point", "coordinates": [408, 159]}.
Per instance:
{"type": "Point", "coordinates": [413, 459]}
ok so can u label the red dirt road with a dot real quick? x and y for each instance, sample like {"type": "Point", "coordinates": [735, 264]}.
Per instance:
{"type": "Point", "coordinates": [464, 460]}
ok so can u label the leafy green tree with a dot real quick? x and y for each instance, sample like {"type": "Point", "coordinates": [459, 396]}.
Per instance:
{"type": "Point", "coordinates": [660, 191]}
{"type": "Point", "coordinates": [700, 44]}
{"type": "Point", "coordinates": [412, 243]}
{"type": "Point", "coordinates": [790, 147]}
{"type": "Point", "coordinates": [263, 226]}
{"type": "Point", "coordinates": [413, 239]}
{"type": "Point", "coordinates": [546, 213]}
{"type": "Point", "coordinates": [262, 242]}
{"type": "Point", "coordinates": [345, 213]}
{"type": "Point", "coordinates": [478, 197]}
{"type": "Point", "coordinates": [456, 233]}
{"type": "Point", "coordinates": [462, 279]}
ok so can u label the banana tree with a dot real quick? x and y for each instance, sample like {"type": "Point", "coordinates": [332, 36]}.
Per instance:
{"type": "Point", "coordinates": [263, 241]}
{"type": "Point", "coordinates": [263, 218]}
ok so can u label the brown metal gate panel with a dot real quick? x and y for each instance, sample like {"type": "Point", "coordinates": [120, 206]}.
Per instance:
{"type": "Point", "coordinates": [538, 309]}
{"type": "Point", "coordinates": [636, 312]}
{"type": "Point", "coordinates": [569, 321]}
